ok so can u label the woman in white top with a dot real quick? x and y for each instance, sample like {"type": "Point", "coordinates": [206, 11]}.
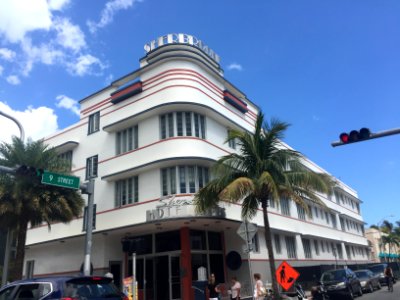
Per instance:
{"type": "Point", "coordinates": [235, 289]}
{"type": "Point", "coordinates": [257, 287]}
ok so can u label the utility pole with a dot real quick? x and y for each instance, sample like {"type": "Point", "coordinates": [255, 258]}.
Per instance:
{"type": "Point", "coordinates": [4, 169]}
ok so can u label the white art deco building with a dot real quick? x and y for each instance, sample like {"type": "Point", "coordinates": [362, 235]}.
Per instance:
{"type": "Point", "coordinates": [149, 140]}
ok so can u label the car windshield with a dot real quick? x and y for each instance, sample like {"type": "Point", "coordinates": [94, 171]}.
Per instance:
{"type": "Point", "coordinates": [362, 274]}
{"type": "Point", "coordinates": [377, 269]}
{"type": "Point", "coordinates": [333, 275]}
{"type": "Point", "coordinates": [91, 288]}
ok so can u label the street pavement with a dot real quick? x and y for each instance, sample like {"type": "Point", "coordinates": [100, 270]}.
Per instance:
{"type": "Point", "coordinates": [383, 294]}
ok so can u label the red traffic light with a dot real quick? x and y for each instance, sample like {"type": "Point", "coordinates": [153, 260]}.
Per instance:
{"type": "Point", "coordinates": [355, 136]}
{"type": "Point", "coordinates": [344, 137]}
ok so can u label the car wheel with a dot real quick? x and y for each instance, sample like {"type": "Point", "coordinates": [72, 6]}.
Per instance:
{"type": "Point", "coordinates": [360, 292]}
{"type": "Point", "coordinates": [350, 295]}
{"type": "Point", "coordinates": [370, 288]}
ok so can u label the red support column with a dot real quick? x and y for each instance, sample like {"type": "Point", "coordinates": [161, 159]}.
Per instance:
{"type": "Point", "coordinates": [186, 265]}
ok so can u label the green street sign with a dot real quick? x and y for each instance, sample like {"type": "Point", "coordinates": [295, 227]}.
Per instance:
{"type": "Point", "coordinates": [66, 181]}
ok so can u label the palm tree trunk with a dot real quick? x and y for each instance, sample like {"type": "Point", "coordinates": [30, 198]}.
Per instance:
{"type": "Point", "coordinates": [18, 266]}
{"type": "Point", "coordinates": [271, 257]}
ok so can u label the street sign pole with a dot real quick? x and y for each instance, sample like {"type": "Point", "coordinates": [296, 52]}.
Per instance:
{"type": "Point", "coordinates": [89, 190]}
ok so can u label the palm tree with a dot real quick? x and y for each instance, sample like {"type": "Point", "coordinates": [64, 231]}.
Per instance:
{"type": "Point", "coordinates": [24, 200]}
{"type": "Point", "coordinates": [392, 240]}
{"type": "Point", "coordinates": [264, 170]}
{"type": "Point", "coordinates": [392, 237]}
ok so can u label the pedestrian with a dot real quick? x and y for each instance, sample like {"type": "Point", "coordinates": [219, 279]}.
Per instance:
{"type": "Point", "coordinates": [212, 286]}
{"type": "Point", "coordinates": [388, 272]}
{"type": "Point", "coordinates": [235, 289]}
{"type": "Point", "coordinates": [258, 287]}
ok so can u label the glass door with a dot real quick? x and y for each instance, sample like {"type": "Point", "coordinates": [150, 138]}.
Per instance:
{"type": "Point", "coordinates": [161, 276]}
{"type": "Point", "coordinates": [175, 277]}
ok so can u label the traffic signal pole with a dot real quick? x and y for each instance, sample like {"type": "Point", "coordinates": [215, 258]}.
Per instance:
{"type": "Point", "coordinates": [371, 136]}
{"type": "Point", "coordinates": [4, 169]}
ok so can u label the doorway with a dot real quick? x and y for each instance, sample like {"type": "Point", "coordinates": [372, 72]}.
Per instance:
{"type": "Point", "coordinates": [158, 277]}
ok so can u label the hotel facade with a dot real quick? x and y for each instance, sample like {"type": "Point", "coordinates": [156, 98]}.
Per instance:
{"type": "Point", "coordinates": [149, 140]}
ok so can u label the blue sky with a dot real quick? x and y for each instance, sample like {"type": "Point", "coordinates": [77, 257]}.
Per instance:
{"type": "Point", "coordinates": [323, 66]}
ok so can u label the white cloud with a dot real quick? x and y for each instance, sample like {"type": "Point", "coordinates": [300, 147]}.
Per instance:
{"type": "Point", "coordinates": [58, 4]}
{"type": "Point", "coordinates": [14, 80]}
{"type": "Point", "coordinates": [109, 79]}
{"type": "Point", "coordinates": [235, 66]}
{"type": "Point", "coordinates": [107, 14]}
{"type": "Point", "coordinates": [18, 17]}
{"type": "Point", "coordinates": [45, 53]}
{"type": "Point", "coordinates": [7, 54]}
{"type": "Point", "coordinates": [69, 35]}
{"type": "Point", "coordinates": [1, 70]}
{"type": "Point", "coordinates": [68, 103]}
{"type": "Point", "coordinates": [26, 23]}
{"type": "Point", "coordinates": [86, 64]}
{"type": "Point", "coordinates": [36, 122]}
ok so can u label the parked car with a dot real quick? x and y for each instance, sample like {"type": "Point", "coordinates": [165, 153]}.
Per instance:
{"type": "Point", "coordinates": [341, 283]}
{"type": "Point", "coordinates": [379, 270]}
{"type": "Point", "coordinates": [369, 281]}
{"type": "Point", "coordinates": [66, 287]}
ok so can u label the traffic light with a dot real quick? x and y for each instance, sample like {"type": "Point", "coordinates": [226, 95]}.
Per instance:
{"type": "Point", "coordinates": [362, 135]}
{"type": "Point", "coordinates": [355, 136]}
{"type": "Point", "coordinates": [27, 171]}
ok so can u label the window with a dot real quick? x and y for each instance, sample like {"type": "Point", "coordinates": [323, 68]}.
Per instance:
{"type": "Point", "coordinates": [301, 212]}
{"type": "Point", "coordinates": [94, 122]}
{"type": "Point", "coordinates": [127, 140]}
{"type": "Point", "coordinates": [91, 167]}
{"type": "Point", "coordinates": [271, 203]}
{"type": "Point", "coordinates": [231, 143]}
{"type": "Point", "coordinates": [333, 219]}
{"type": "Point", "coordinates": [316, 212]}
{"type": "Point", "coordinates": [168, 241]}
{"type": "Point", "coordinates": [198, 240]}
{"type": "Point", "coordinates": [30, 264]}
{"type": "Point", "coordinates": [348, 252]}
{"type": "Point", "coordinates": [189, 178]}
{"type": "Point", "coordinates": [285, 208]}
{"type": "Point", "coordinates": [310, 211]}
{"type": "Point", "coordinates": [342, 224]}
{"type": "Point", "coordinates": [168, 181]}
{"type": "Point", "coordinates": [185, 124]}
{"type": "Point", "coordinates": [67, 157]}
{"type": "Point", "coordinates": [6, 293]}
{"type": "Point", "coordinates": [277, 240]}
{"type": "Point", "coordinates": [126, 191]}
{"type": "Point", "coordinates": [322, 246]}
{"type": "Point", "coordinates": [316, 246]}
{"type": "Point", "coordinates": [255, 243]}
{"type": "Point", "coordinates": [327, 217]}
{"type": "Point", "coordinates": [307, 248]}
{"type": "Point", "coordinates": [290, 246]}
{"type": "Point", "coordinates": [339, 251]}
{"type": "Point", "coordinates": [214, 240]}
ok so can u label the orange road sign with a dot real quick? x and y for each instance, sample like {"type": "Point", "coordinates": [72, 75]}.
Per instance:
{"type": "Point", "coordinates": [286, 275]}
